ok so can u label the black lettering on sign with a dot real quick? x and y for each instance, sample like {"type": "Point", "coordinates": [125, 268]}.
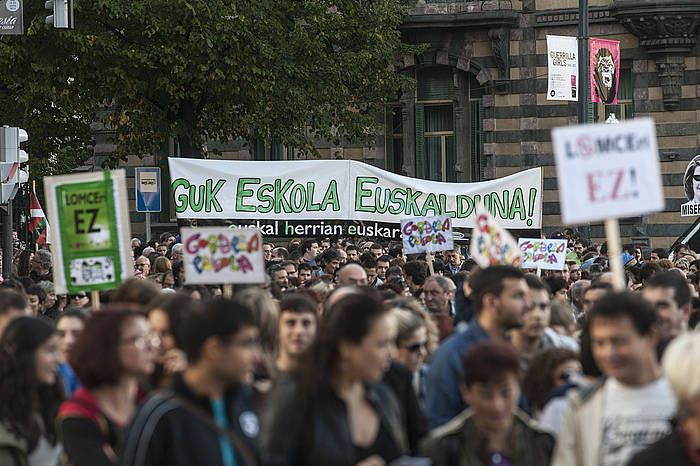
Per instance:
{"type": "Point", "coordinates": [79, 217]}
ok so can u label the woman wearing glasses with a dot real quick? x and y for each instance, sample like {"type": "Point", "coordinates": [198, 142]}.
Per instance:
{"type": "Point", "coordinates": [113, 353]}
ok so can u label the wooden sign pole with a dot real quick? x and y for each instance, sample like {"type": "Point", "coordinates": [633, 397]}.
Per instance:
{"type": "Point", "coordinates": [612, 235]}
{"type": "Point", "coordinates": [429, 258]}
{"type": "Point", "coordinates": [95, 300]}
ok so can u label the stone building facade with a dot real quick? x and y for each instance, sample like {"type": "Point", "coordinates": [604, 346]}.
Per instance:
{"type": "Point", "coordinates": [479, 109]}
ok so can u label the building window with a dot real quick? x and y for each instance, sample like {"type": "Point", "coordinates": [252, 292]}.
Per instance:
{"type": "Point", "coordinates": [438, 140]}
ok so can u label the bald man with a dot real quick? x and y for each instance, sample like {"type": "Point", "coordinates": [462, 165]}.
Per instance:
{"type": "Point", "coordinates": [352, 275]}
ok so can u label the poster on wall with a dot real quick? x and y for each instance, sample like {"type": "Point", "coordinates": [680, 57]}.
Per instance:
{"type": "Point", "coordinates": [691, 185]}
{"type": "Point", "coordinates": [604, 70]}
{"type": "Point", "coordinates": [562, 68]}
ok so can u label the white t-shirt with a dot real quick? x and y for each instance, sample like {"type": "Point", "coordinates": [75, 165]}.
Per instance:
{"type": "Point", "coordinates": [633, 418]}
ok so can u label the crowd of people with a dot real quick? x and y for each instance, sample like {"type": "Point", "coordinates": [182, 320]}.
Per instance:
{"type": "Point", "coordinates": [352, 353]}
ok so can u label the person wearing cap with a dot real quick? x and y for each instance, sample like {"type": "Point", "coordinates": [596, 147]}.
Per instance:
{"type": "Point", "coordinates": [41, 266]}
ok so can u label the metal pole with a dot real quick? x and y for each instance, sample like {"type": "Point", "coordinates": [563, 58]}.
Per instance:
{"type": "Point", "coordinates": [7, 241]}
{"type": "Point", "coordinates": [148, 227]}
{"type": "Point", "coordinates": [584, 81]}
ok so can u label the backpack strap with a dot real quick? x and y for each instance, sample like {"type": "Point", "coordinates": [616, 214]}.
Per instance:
{"type": "Point", "coordinates": [205, 417]}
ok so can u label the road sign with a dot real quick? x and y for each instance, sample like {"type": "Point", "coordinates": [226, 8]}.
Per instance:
{"type": "Point", "coordinates": [148, 189]}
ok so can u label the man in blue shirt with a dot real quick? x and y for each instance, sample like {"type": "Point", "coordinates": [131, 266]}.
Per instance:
{"type": "Point", "coordinates": [501, 298]}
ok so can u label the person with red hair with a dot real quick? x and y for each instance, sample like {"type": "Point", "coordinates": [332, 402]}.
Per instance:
{"type": "Point", "coordinates": [113, 353]}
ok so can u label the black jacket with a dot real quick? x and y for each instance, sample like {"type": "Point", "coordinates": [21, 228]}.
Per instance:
{"type": "Point", "coordinates": [298, 431]}
{"type": "Point", "coordinates": [667, 451]}
{"type": "Point", "coordinates": [165, 432]}
{"type": "Point", "coordinates": [400, 380]}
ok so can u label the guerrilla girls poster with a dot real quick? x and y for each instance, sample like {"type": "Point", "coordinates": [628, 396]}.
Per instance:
{"type": "Point", "coordinates": [607, 171]}
{"type": "Point", "coordinates": [90, 251]}
{"type": "Point", "coordinates": [605, 70]}
{"type": "Point", "coordinates": [216, 255]}
{"type": "Point", "coordinates": [545, 254]}
{"type": "Point", "coordinates": [427, 234]}
{"type": "Point", "coordinates": [491, 244]}
{"type": "Point", "coordinates": [562, 68]}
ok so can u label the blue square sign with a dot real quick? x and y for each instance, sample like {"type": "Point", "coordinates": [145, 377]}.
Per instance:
{"type": "Point", "coordinates": [148, 189]}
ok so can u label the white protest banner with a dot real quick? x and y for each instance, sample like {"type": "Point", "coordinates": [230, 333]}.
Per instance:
{"type": "Point", "coordinates": [90, 247]}
{"type": "Point", "coordinates": [326, 192]}
{"type": "Point", "coordinates": [215, 255]}
{"type": "Point", "coordinates": [545, 254]}
{"type": "Point", "coordinates": [562, 68]}
{"type": "Point", "coordinates": [427, 234]}
{"type": "Point", "coordinates": [607, 171]}
{"type": "Point", "coordinates": [491, 244]}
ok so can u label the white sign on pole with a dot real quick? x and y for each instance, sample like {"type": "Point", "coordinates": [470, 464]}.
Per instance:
{"type": "Point", "coordinates": [562, 68]}
{"type": "Point", "coordinates": [607, 171]}
{"type": "Point", "coordinates": [491, 244]}
{"type": "Point", "coordinates": [427, 234]}
{"type": "Point", "coordinates": [545, 254]}
{"type": "Point", "coordinates": [215, 255]}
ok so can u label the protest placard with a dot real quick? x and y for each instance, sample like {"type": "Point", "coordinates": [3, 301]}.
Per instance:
{"type": "Point", "coordinates": [91, 244]}
{"type": "Point", "coordinates": [562, 68]}
{"type": "Point", "coordinates": [607, 171]}
{"type": "Point", "coordinates": [314, 198]}
{"type": "Point", "coordinates": [491, 244]}
{"type": "Point", "coordinates": [545, 254]}
{"type": "Point", "coordinates": [215, 255]}
{"type": "Point", "coordinates": [427, 234]}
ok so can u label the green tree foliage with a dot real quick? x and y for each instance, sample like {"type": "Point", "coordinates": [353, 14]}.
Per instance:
{"type": "Point", "coordinates": [200, 70]}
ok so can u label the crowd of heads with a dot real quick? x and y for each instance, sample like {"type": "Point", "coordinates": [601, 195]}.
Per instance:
{"type": "Point", "coordinates": [508, 344]}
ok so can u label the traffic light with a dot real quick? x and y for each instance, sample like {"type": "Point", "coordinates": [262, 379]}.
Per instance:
{"type": "Point", "coordinates": [62, 17]}
{"type": "Point", "coordinates": [11, 157]}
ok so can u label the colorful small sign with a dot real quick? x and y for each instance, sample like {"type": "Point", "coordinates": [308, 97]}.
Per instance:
{"type": "Point", "coordinates": [491, 244]}
{"type": "Point", "coordinates": [215, 255]}
{"type": "Point", "coordinates": [545, 254]}
{"type": "Point", "coordinates": [90, 251]}
{"type": "Point", "coordinates": [427, 234]}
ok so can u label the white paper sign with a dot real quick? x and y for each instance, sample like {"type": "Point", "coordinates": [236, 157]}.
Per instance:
{"type": "Point", "coordinates": [562, 68]}
{"type": "Point", "coordinates": [491, 244]}
{"type": "Point", "coordinates": [607, 171]}
{"type": "Point", "coordinates": [427, 234]}
{"type": "Point", "coordinates": [545, 254]}
{"type": "Point", "coordinates": [215, 255]}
